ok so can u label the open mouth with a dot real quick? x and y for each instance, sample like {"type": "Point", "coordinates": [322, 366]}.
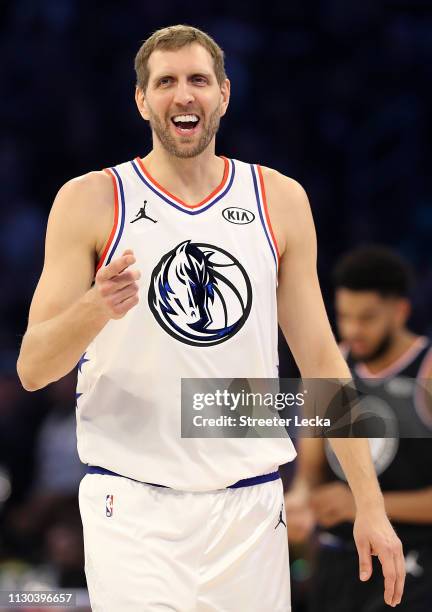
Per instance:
{"type": "Point", "coordinates": [185, 124]}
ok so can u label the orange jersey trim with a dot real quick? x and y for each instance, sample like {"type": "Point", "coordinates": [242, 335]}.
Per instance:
{"type": "Point", "coordinates": [116, 214]}
{"type": "Point", "coordinates": [266, 212]}
{"type": "Point", "coordinates": [178, 200]}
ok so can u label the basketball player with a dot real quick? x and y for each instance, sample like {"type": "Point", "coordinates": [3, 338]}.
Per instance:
{"type": "Point", "coordinates": [172, 523]}
{"type": "Point", "coordinates": [386, 358]}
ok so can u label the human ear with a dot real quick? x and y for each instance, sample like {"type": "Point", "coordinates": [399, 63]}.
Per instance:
{"type": "Point", "coordinates": [141, 103]}
{"type": "Point", "coordinates": [225, 93]}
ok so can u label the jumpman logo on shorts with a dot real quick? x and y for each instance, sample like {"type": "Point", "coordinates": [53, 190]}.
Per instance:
{"type": "Point", "coordinates": [141, 214]}
{"type": "Point", "coordinates": [281, 518]}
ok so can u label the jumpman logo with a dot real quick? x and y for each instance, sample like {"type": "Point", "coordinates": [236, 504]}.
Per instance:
{"type": "Point", "coordinates": [281, 518]}
{"type": "Point", "coordinates": [141, 214]}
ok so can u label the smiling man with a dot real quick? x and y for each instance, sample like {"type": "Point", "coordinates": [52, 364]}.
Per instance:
{"type": "Point", "coordinates": [173, 523]}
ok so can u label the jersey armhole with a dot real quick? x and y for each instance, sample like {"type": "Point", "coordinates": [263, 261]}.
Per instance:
{"type": "Point", "coordinates": [261, 199]}
{"type": "Point", "coordinates": [103, 257]}
{"type": "Point", "coordinates": [266, 212]}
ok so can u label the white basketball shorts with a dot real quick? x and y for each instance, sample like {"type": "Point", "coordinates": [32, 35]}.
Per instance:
{"type": "Point", "coordinates": [149, 549]}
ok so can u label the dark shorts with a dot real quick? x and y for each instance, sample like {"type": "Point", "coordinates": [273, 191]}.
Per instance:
{"type": "Point", "coordinates": [336, 587]}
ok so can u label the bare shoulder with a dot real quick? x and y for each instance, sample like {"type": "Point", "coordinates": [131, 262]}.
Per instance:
{"type": "Point", "coordinates": [282, 184]}
{"type": "Point", "coordinates": [288, 206]}
{"type": "Point", "coordinates": [90, 190]}
{"type": "Point", "coordinates": [85, 205]}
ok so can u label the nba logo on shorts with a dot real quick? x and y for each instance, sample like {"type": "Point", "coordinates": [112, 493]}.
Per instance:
{"type": "Point", "coordinates": [109, 505]}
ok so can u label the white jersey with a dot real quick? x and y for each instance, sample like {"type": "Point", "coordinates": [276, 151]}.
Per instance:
{"type": "Point", "coordinates": [207, 309]}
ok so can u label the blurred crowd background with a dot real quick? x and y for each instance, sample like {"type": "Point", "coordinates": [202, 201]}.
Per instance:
{"type": "Point", "coordinates": [335, 94]}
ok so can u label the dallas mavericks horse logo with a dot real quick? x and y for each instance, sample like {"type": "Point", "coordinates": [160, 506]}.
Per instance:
{"type": "Point", "coordinates": [200, 294]}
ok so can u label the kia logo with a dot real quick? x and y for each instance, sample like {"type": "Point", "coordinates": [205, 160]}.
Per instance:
{"type": "Point", "coordinates": [239, 216]}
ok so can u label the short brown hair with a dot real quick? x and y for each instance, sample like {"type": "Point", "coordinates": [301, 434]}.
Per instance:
{"type": "Point", "coordinates": [176, 37]}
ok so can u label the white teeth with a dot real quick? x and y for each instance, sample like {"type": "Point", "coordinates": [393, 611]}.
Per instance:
{"type": "Point", "coordinates": [185, 118]}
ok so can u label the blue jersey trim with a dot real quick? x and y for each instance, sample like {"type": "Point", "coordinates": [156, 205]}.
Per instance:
{"type": "Point", "coordinates": [245, 482]}
{"type": "Point", "coordinates": [255, 183]}
{"type": "Point", "coordinates": [123, 214]}
{"type": "Point", "coordinates": [178, 207]}
{"type": "Point", "coordinates": [254, 480]}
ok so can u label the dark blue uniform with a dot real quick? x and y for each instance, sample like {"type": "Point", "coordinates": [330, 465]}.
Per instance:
{"type": "Point", "coordinates": [402, 464]}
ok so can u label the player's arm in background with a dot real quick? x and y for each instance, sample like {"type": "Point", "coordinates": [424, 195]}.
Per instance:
{"type": "Point", "coordinates": [304, 322]}
{"type": "Point", "coordinates": [66, 312]}
{"type": "Point", "coordinates": [310, 464]}
{"type": "Point", "coordinates": [311, 500]}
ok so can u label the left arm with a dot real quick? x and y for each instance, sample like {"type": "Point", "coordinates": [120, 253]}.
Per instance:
{"type": "Point", "coordinates": [409, 506]}
{"type": "Point", "coordinates": [333, 503]}
{"type": "Point", "coordinates": [304, 322]}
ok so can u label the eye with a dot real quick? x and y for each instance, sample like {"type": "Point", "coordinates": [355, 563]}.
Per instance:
{"type": "Point", "coordinates": [164, 81]}
{"type": "Point", "coordinates": [199, 79]}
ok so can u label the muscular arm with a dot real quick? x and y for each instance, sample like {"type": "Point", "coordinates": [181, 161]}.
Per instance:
{"type": "Point", "coordinates": [305, 325]}
{"type": "Point", "coordinates": [301, 310]}
{"type": "Point", "coordinates": [409, 506]}
{"type": "Point", "coordinates": [309, 474]}
{"type": "Point", "coordinates": [310, 463]}
{"type": "Point", "coordinates": [66, 313]}
{"type": "Point", "coordinates": [304, 321]}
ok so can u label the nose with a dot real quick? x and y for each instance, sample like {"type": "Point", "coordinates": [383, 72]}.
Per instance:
{"type": "Point", "coordinates": [352, 330]}
{"type": "Point", "coordinates": [183, 94]}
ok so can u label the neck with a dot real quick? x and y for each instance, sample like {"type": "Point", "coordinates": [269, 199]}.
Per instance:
{"type": "Point", "coordinates": [186, 177]}
{"type": "Point", "coordinates": [401, 343]}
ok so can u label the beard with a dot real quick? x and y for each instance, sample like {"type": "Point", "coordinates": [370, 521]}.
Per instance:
{"type": "Point", "coordinates": [380, 350]}
{"type": "Point", "coordinates": [172, 146]}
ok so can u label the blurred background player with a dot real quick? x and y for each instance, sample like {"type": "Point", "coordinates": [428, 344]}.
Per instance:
{"type": "Point", "coordinates": [385, 357]}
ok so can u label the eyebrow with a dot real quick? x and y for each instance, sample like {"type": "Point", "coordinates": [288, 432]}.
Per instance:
{"type": "Point", "coordinates": [166, 75]}
{"type": "Point", "coordinates": [208, 75]}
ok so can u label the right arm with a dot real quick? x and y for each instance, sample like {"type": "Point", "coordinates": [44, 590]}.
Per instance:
{"type": "Point", "coordinates": [310, 466]}
{"type": "Point", "coordinates": [66, 312]}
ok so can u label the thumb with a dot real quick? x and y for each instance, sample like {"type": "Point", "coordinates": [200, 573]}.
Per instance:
{"type": "Point", "coordinates": [365, 560]}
